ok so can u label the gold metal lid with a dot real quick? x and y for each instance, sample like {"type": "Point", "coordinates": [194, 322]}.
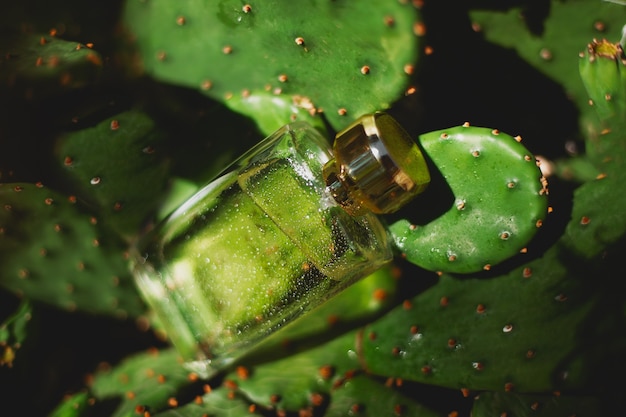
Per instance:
{"type": "Point", "coordinates": [377, 166]}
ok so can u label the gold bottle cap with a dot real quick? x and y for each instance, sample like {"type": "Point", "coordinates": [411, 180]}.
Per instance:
{"type": "Point", "coordinates": [377, 166]}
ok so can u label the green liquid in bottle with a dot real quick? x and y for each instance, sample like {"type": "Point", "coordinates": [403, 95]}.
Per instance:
{"type": "Point", "coordinates": [253, 250]}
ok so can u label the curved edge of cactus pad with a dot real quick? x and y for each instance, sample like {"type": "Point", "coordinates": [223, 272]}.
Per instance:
{"type": "Point", "coordinates": [500, 200]}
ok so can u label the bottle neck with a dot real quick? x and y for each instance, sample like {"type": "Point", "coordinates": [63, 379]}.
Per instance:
{"type": "Point", "coordinates": [377, 167]}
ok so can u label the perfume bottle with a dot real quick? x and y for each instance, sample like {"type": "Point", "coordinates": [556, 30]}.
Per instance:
{"type": "Point", "coordinates": [283, 229]}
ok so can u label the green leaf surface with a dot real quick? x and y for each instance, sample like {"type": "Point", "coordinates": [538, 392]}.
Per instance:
{"type": "Point", "coordinates": [488, 404]}
{"type": "Point", "coordinates": [146, 379]}
{"type": "Point", "coordinates": [355, 51]}
{"type": "Point", "coordinates": [520, 330]}
{"type": "Point", "coordinates": [499, 202]}
{"type": "Point", "coordinates": [363, 396]}
{"type": "Point", "coordinates": [120, 165]}
{"type": "Point", "coordinates": [76, 405]}
{"type": "Point", "coordinates": [273, 111]}
{"type": "Point", "coordinates": [54, 250]}
{"type": "Point", "coordinates": [34, 66]}
{"type": "Point", "coordinates": [362, 301]}
{"type": "Point", "coordinates": [292, 383]}
{"type": "Point", "coordinates": [545, 326]}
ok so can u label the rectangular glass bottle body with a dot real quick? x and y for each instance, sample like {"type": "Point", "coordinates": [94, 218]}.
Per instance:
{"type": "Point", "coordinates": [253, 250]}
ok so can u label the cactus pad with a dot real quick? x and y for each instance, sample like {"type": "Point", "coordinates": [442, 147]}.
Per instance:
{"type": "Point", "coordinates": [499, 202]}
{"type": "Point", "coordinates": [76, 405]}
{"type": "Point", "coordinates": [119, 165]}
{"type": "Point", "coordinates": [51, 250]}
{"type": "Point", "coordinates": [357, 51]}
{"type": "Point", "coordinates": [489, 404]}
{"type": "Point", "coordinates": [326, 376]}
{"type": "Point", "coordinates": [222, 401]}
{"type": "Point", "coordinates": [13, 333]}
{"type": "Point", "coordinates": [34, 66]}
{"type": "Point", "coordinates": [365, 396]}
{"type": "Point", "coordinates": [272, 111]}
{"type": "Point", "coordinates": [366, 299]}
{"type": "Point", "coordinates": [472, 333]}
{"type": "Point", "coordinates": [593, 226]}
{"type": "Point", "coordinates": [564, 34]}
{"type": "Point", "coordinates": [148, 381]}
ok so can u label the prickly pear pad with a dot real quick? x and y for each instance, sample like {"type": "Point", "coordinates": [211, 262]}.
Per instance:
{"type": "Point", "coordinates": [345, 58]}
{"type": "Point", "coordinates": [471, 332]}
{"type": "Point", "coordinates": [52, 250]}
{"type": "Point", "coordinates": [500, 201]}
{"type": "Point", "coordinates": [35, 66]}
{"type": "Point", "coordinates": [120, 165]}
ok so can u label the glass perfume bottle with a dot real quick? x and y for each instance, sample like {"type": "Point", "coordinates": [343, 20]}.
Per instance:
{"type": "Point", "coordinates": [283, 229]}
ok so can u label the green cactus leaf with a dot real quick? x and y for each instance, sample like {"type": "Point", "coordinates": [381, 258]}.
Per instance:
{"type": "Point", "coordinates": [328, 375]}
{"type": "Point", "coordinates": [148, 379]}
{"type": "Point", "coordinates": [356, 51]}
{"type": "Point", "coordinates": [273, 111]}
{"type": "Point", "coordinates": [565, 33]}
{"type": "Point", "coordinates": [593, 228]}
{"type": "Point", "coordinates": [119, 165]}
{"type": "Point", "coordinates": [75, 406]}
{"type": "Point", "coordinates": [488, 404]}
{"type": "Point", "coordinates": [579, 169]}
{"type": "Point", "coordinates": [478, 333]}
{"type": "Point", "coordinates": [180, 190]}
{"type": "Point", "coordinates": [603, 73]}
{"type": "Point", "coordinates": [294, 382]}
{"type": "Point", "coordinates": [220, 402]}
{"type": "Point", "coordinates": [13, 332]}
{"type": "Point", "coordinates": [568, 32]}
{"type": "Point", "coordinates": [472, 333]}
{"type": "Point", "coordinates": [356, 304]}
{"type": "Point", "coordinates": [364, 396]}
{"type": "Point", "coordinates": [35, 66]}
{"type": "Point", "coordinates": [53, 250]}
{"type": "Point", "coordinates": [67, 20]}
{"type": "Point", "coordinates": [499, 202]}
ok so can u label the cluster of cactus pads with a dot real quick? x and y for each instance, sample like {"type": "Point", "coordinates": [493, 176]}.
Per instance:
{"type": "Point", "coordinates": [498, 305]}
